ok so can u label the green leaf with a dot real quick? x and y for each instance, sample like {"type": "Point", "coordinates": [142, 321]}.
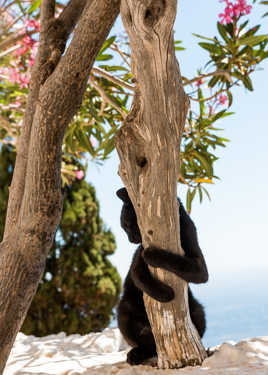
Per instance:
{"type": "Point", "coordinates": [69, 137]}
{"type": "Point", "coordinates": [223, 32]}
{"type": "Point", "coordinates": [20, 6]}
{"type": "Point", "coordinates": [213, 81]}
{"type": "Point", "coordinates": [203, 37]}
{"type": "Point", "coordinates": [210, 47]}
{"type": "Point", "coordinates": [247, 83]}
{"type": "Point", "coordinates": [105, 57]}
{"type": "Point", "coordinates": [252, 40]}
{"type": "Point", "coordinates": [85, 142]}
{"type": "Point", "coordinates": [221, 114]}
{"type": "Point", "coordinates": [247, 50]}
{"type": "Point", "coordinates": [251, 31]}
{"type": "Point", "coordinates": [108, 42]}
{"type": "Point", "coordinates": [189, 199]}
{"type": "Point", "coordinates": [34, 6]}
{"type": "Point", "coordinates": [205, 163]}
{"type": "Point", "coordinates": [200, 193]}
{"type": "Point", "coordinates": [113, 68]}
{"type": "Point", "coordinates": [230, 29]}
{"type": "Point", "coordinates": [207, 193]}
{"type": "Point", "coordinates": [109, 147]}
{"type": "Point", "coordinates": [201, 102]}
{"type": "Point", "coordinates": [243, 25]}
{"type": "Point", "coordinates": [230, 98]}
{"type": "Point", "coordinates": [244, 78]}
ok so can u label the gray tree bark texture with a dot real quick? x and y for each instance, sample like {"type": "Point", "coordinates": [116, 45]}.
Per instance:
{"type": "Point", "coordinates": [35, 200]}
{"type": "Point", "coordinates": [148, 145]}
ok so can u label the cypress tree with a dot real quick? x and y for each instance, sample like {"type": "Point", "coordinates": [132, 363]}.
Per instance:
{"type": "Point", "coordinates": [80, 286]}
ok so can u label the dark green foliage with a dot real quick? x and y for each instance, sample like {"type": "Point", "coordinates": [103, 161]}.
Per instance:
{"type": "Point", "coordinates": [80, 286]}
{"type": "Point", "coordinates": [7, 160]}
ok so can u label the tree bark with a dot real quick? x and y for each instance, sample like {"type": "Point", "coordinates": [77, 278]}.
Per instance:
{"type": "Point", "coordinates": [148, 145]}
{"type": "Point", "coordinates": [35, 200]}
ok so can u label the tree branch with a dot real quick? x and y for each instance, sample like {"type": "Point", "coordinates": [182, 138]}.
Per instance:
{"type": "Point", "coordinates": [71, 14]}
{"type": "Point", "coordinates": [12, 49]}
{"type": "Point", "coordinates": [121, 53]}
{"type": "Point", "coordinates": [16, 191]}
{"type": "Point", "coordinates": [201, 76]}
{"type": "Point", "coordinates": [106, 98]}
{"type": "Point", "coordinates": [113, 79]}
{"type": "Point", "coordinates": [59, 99]}
{"type": "Point", "coordinates": [35, 200]}
{"type": "Point", "coordinates": [47, 14]}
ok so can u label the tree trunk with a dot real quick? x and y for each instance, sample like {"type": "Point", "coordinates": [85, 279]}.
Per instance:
{"type": "Point", "coordinates": [35, 200]}
{"type": "Point", "coordinates": [148, 145]}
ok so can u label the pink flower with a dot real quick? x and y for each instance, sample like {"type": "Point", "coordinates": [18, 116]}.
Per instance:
{"type": "Point", "coordinates": [27, 41]}
{"type": "Point", "coordinates": [199, 82]}
{"type": "Point", "coordinates": [234, 9]}
{"type": "Point", "coordinates": [15, 76]}
{"type": "Point", "coordinates": [21, 52]}
{"type": "Point", "coordinates": [79, 174]}
{"type": "Point", "coordinates": [222, 99]}
{"type": "Point", "coordinates": [23, 80]}
{"type": "Point", "coordinates": [3, 71]}
{"type": "Point", "coordinates": [32, 24]}
{"type": "Point", "coordinates": [33, 55]}
{"type": "Point", "coordinates": [34, 50]}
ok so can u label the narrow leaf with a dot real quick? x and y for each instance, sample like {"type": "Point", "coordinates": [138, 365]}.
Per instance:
{"type": "Point", "coordinates": [252, 40]}
{"type": "Point", "coordinates": [34, 6]}
{"type": "Point", "coordinates": [223, 32]}
{"type": "Point", "coordinates": [107, 44]}
{"type": "Point", "coordinates": [203, 37]}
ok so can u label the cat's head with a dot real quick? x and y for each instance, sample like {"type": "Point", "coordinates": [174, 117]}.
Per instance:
{"type": "Point", "coordinates": [128, 217]}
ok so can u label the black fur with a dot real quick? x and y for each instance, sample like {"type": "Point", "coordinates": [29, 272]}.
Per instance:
{"type": "Point", "coordinates": [132, 318]}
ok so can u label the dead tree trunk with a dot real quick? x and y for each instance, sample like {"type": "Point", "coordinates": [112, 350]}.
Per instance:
{"type": "Point", "coordinates": [148, 145]}
{"type": "Point", "coordinates": [35, 201]}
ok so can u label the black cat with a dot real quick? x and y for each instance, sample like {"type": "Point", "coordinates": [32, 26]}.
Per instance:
{"type": "Point", "coordinates": [132, 318]}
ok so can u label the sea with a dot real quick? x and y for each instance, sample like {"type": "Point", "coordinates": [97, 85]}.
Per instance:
{"type": "Point", "coordinates": [236, 306]}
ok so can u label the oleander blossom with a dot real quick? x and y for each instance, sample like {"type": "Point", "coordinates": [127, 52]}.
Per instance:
{"type": "Point", "coordinates": [199, 82]}
{"type": "Point", "coordinates": [234, 9]}
{"type": "Point", "coordinates": [25, 56]}
{"type": "Point", "coordinates": [222, 99]}
{"type": "Point", "coordinates": [79, 174]}
{"type": "Point", "coordinates": [32, 24]}
{"type": "Point", "coordinates": [16, 76]}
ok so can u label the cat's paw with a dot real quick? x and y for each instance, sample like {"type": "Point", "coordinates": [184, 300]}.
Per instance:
{"type": "Point", "coordinates": [152, 256]}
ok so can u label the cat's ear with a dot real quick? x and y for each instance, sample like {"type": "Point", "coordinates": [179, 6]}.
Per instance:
{"type": "Point", "coordinates": [123, 194]}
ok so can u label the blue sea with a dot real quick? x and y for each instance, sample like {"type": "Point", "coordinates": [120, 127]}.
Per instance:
{"type": "Point", "coordinates": [236, 306]}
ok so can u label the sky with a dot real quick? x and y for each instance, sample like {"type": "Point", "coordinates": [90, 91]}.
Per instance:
{"type": "Point", "coordinates": [232, 227]}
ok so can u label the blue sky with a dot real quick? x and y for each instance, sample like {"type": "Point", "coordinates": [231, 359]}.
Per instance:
{"type": "Point", "coordinates": [232, 227]}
